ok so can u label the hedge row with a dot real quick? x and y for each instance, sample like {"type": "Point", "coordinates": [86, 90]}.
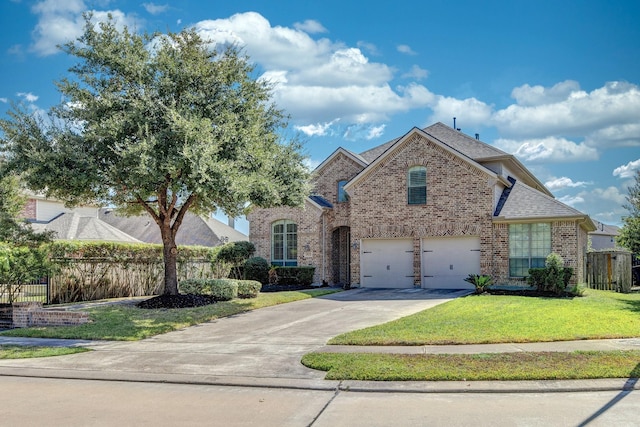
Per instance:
{"type": "Point", "coordinates": [221, 289]}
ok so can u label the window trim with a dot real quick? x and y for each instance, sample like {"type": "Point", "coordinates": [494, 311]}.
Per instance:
{"type": "Point", "coordinates": [286, 249]}
{"type": "Point", "coordinates": [417, 197]}
{"type": "Point", "coordinates": [340, 185]}
{"type": "Point", "coordinates": [532, 260]}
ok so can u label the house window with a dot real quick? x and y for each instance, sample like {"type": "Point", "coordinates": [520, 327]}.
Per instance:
{"type": "Point", "coordinates": [284, 243]}
{"type": "Point", "coordinates": [529, 245]}
{"type": "Point", "coordinates": [342, 195]}
{"type": "Point", "coordinates": [417, 185]}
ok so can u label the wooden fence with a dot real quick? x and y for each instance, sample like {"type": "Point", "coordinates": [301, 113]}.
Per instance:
{"type": "Point", "coordinates": [609, 270]}
{"type": "Point", "coordinates": [89, 279]}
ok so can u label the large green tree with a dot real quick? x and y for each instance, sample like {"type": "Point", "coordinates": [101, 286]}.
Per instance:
{"type": "Point", "coordinates": [162, 124]}
{"type": "Point", "coordinates": [629, 236]}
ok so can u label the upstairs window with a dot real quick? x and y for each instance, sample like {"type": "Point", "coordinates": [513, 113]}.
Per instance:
{"type": "Point", "coordinates": [342, 195]}
{"type": "Point", "coordinates": [417, 185]}
{"type": "Point", "coordinates": [284, 243]}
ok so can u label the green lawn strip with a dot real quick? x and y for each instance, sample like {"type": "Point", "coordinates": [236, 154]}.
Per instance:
{"type": "Point", "coordinates": [128, 323]}
{"type": "Point", "coordinates": [26, 352]}
{"type": "Point", "coordinates": [476, 367]}
{"type": "Point", "coordinates": [478, 319]}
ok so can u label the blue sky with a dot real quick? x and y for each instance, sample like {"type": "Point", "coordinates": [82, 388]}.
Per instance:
{"type": "Point", "coordinates": [555, 83]}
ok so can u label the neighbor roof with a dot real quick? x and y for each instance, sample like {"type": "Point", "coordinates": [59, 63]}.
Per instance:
{"type": "Point", "coordinates": [72, 226]}
{"type": "Point", "coordinates": [194, 230]}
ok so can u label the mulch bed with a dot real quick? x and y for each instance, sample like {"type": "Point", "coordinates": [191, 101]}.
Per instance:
{"type": "Point", "coordinates": [280, 288]}
{"type": "Point", "coordinates": [528, 293]}
{"type": "Point", "coordinates": [177, 301]}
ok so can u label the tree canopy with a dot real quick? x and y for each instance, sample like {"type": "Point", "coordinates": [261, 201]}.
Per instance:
{"type": "Point", "coordinates": [162, 124]}
{"type": "Point", "coordinates": [629, 236]}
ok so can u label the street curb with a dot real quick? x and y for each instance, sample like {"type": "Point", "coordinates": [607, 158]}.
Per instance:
{"type": "Point", "coordinates": [427, 387]}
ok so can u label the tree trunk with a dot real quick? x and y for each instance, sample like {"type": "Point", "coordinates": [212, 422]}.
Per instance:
{"type": "Point", "coordinates": [170, 253]}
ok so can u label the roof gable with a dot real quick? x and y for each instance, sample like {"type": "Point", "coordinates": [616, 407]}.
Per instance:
{"type": "Point", "coordinates": [398, 143]}
{"type": "Point", "coordinates": [337, 153]}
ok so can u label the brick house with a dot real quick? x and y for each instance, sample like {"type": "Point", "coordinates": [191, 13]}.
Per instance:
{"type": "Point", "coordinates": [423, 210]}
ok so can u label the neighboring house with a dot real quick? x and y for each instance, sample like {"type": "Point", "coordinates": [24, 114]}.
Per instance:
{"type": "Point", "coordinates": [604, 237]}
{"type": "Point", "coordinates": [194, 230]}
{"type": "Point", "coordinates": [100, 224]}
{"type": "Point", "coordinates": [424, 210]}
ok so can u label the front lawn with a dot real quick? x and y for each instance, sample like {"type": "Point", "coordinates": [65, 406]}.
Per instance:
{"type": "Point", "coordinates": [479, 319]}
{"type": "Point", "coordinates": [128, 323]}
{"type": "Point", "coordinates": [476, 367]}
{"type": "Point", "coordinates": [26, 352]}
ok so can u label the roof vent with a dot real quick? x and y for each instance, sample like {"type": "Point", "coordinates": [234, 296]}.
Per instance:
{"type": "Point", "coordinates": [477, 136]}
{"type": "Point", "coordinates": [454, 125]}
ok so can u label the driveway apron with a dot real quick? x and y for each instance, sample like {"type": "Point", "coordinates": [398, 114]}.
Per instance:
{"type": "Point", "coordinates": [260, 344]}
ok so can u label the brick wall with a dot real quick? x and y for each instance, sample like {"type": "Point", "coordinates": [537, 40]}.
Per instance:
{"type": "Point", "coordinates": [28, 314]}
{"type": "Point", "coordinates": [29, 210]}
{"type": "Point", "coordinates": [459, 202]}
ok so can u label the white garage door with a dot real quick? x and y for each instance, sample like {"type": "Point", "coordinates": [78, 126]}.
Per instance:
{"type": "Point", "coordinates": [447, 261]}
{"type": "Point", "coordinates": [387, 263]}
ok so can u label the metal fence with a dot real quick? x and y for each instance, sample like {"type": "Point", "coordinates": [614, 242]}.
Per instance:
{"type": "Point", "coordinates": [35, 291]}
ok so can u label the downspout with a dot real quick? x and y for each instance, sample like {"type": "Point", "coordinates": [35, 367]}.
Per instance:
{"type": "Point", "coordinates": [324, 249]}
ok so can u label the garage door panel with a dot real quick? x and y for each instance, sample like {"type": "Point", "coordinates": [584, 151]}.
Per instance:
{"type": "Point", "coordinates": [447, 261]}
{"type": "Point", "coordinates": [387, 263]}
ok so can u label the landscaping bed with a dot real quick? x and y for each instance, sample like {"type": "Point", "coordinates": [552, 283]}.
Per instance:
{"type": "Point", "coordinates": [177, 301]}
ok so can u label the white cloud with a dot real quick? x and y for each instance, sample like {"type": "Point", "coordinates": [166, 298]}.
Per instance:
{"type": "Point", "coordinates": [416, 73]}
{"type": "Point", "coordinates": [470, 111]}
{"type": "Point", "coordinates": [406, 49]}
{"type": "Point", "coordinates": [571, 200]}
{"type": "Point", "coordinates": [628, 170]}
{"type": "Point", "coordinates": [318, 80]}
{"type": "Point", "coordinates": [550, 149]}
{"type": "Point", "coordinates": [4, 100]}
{"type": "Point", "coordinates": [370, 48]}
{"type": "Point", "coordinates": [564, 109]}
{"type": "Point", "coordinates": [318, 129]}
{"type": "Point", "coordinates": [310, 26]}
{"type": "Point", "coordinates": [564, 182]}
{"type": "Point", "coordinates": [155, 9]}
{"type": "Point", "coordinates": [62, 22]}
{"type": "Point", "coordinates": [28, 96]}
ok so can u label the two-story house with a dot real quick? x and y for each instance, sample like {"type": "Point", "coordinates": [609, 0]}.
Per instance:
{"type": "Point", "coordinates": [423, 210]}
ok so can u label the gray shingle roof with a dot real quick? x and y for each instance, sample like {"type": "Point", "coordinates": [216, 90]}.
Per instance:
{"type": "Point", "coordinates": [525, 202]}
{"type": "Point", "coordinates": [71, 226]}
{"type": "Point", "coordinates": [194, 229]}
{"type": "Point", "coordinates": [470, 147]}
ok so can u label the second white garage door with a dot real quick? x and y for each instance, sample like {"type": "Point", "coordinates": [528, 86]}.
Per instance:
{"type": "Point", "coordinates": [447, 261]}
{"type": "Point", "coordinates": [387, 263]}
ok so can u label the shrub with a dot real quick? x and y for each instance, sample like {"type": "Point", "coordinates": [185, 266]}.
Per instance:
{"type": "Point", "coordinates": [480, 281]}
{"type": "Point", "coordinates": [248, 288]}
{"type": "Point", "coordinates": [257, 269]}
{"type": "Point", "coordinates": [20, 265]}
{"type": "Point", "coordinates": [553, 278]}
{"type": "Point", "coordinates": [220, 289]}
{"type": "Point", "coordinates": [294, 275]}
{"type": "Point", "coordinates": [234, 254]}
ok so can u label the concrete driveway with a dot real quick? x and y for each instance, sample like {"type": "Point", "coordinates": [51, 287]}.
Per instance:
{"type": "Point", "coordinates": [257, 347]}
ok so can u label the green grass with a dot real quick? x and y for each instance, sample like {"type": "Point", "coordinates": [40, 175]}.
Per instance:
{"type": "Point", "coordinates": [478, 319]}
{"type": "Point", "coordinates": [128, 323]}
{"type": "Point", "coordinates": [26, 352]}
{"type": "Point", "coordinates": [476, 367]}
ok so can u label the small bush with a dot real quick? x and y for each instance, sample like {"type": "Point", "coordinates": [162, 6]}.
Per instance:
{"type": "Point", "coordinates": [294, 275]}
{"type": "Point", "coordinates": [553, 278]}
{"type": "Point", "coordinates": [220, 289]}
{"type": "Point", "coordinates": [248, 288]}
{"type": "Point", "coordinates": [480, 281]}
{"type": "Point", "coordinates": [257, 269]}
{"type": "Point", "coordinates": [234, 254]}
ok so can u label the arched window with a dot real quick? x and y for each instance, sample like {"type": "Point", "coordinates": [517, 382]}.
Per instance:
{"type": "Point", "coordinates": [284, 243]}
{"type": "Point", "coordinates": [417, 185]}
